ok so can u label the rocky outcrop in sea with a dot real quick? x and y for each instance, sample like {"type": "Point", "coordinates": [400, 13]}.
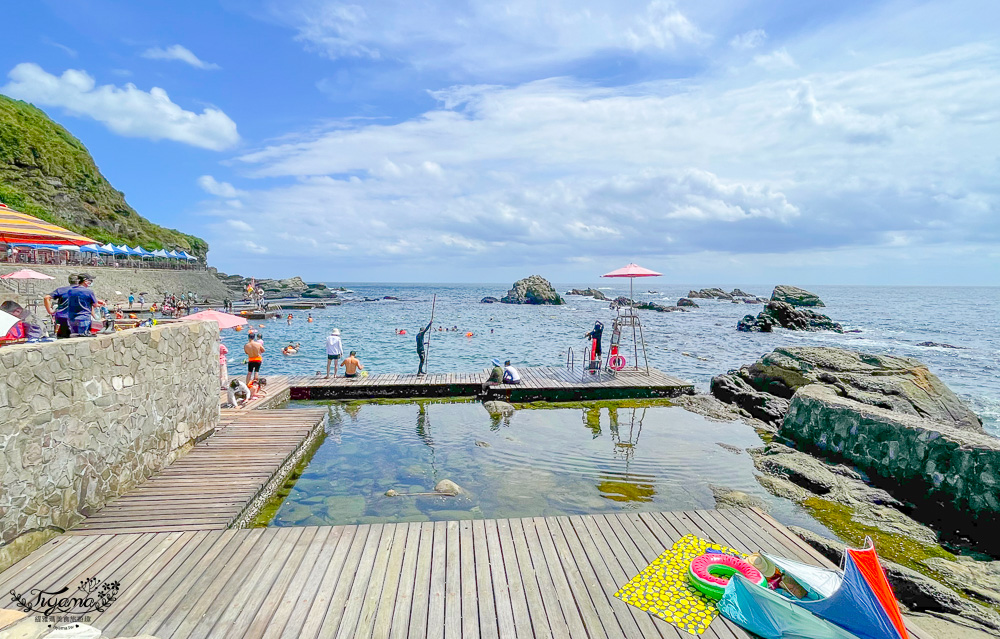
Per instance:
{"type": "Point", "coordinates": [795, 296]}
{"type": "Point", "coordinates": [686, 302]}
{"type": "Point", "coordinates": [276, 289]}
{"type": "Point", "coordinates": [784, 315]}
{"type": "Point", "coordinates": [710, 294]}
{"type": "Point", "coordinates": [534, 289]}
{"type": "Point", "coordinates": [588, 292]}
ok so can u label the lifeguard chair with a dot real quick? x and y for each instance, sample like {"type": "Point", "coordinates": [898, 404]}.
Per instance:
{"type": "Point", "coordinates": [626, 319]}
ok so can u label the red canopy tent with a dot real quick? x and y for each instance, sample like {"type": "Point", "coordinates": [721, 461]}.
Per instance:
{"type": "Point", "coordinates": [20, 228]}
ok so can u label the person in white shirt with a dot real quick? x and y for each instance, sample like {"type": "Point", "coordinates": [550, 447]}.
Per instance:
{"type": "Point", "coordinates": [510, 374]}
{"type": "Point", "coordinates": [334, 350]}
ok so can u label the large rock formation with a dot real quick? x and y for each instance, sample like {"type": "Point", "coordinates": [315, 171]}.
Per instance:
{"type": "Point", "coordinates": [948, 469]}
{"type": "Point", "coordinates": [786, 316]}
{"type": "Point", "coordinates": [532, 290]}
{"type": "Point", "coordinates": [890, 417]}
{"type": "Point", "coordinates": [686, 302]}
{"type": "Point", "coordinates": [795, 296]}
{"type": "Point", "coordinates": [901, 384]}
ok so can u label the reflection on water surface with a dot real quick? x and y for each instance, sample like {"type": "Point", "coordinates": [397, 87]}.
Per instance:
{"type": "Point", "coordinates": [557, 461]}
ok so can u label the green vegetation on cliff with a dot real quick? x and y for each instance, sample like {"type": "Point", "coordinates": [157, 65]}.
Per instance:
{"type": "Point", "coordinates": [48, 173]}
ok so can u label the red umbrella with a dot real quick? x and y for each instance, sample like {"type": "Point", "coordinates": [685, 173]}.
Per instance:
{"type": "Point", "coordinates": [224, 320]}
{"type": "Point", "coordinates": [26, 274]}
{"type": "Point", "coordinates": [632, 271]}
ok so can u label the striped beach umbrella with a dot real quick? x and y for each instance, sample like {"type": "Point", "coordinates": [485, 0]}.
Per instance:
{"type": "Point", "coordinates": [17, 227]}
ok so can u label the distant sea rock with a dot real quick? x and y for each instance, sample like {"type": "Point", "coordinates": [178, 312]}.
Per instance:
{"type": "Point", "coordinates": [787, 316]}
{"type": "Point", "coordinates": [588, 292]}
{"type": "Point", "coordinates": [710, 294]}
{"type": "Point", "coordinates": [795, 296]}
{"type": "Point", "coordinates": [686, 302]}
{"type": "Point", "coordinates": [532, 290]}
{"type": "Point", "coordinates": [659, 308]}
{"type": "Point", "coordinates": [936, 345]}
{"type": "Point", "coordinates": [489, 300]}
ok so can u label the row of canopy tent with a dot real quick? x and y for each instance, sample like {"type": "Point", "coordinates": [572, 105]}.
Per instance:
{"type": "Point", "coordinates": [22, 231]}
{"type": "Point", "coordinates": [138, 251]}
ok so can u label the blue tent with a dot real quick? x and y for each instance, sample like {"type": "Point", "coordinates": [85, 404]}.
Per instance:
{"type": "Point", "coordinates": [136, 251]}
{"type": "Point", "coordinates": [858, 600]}
{"type": "Point", "coordinates": [771, 616]}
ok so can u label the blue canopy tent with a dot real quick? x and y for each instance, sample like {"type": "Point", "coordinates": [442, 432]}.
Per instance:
{"type": "Point", "coordinates": [160, 253]}
{"type": "Point", "coordinates": [135, 252]}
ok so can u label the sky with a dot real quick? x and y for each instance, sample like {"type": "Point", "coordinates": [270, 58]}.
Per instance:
{"type": "Point", "coordinates": [728, 141]}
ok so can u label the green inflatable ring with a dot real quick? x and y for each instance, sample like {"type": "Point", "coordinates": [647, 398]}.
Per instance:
{"type": "Point", "coordinates": [709, 573]}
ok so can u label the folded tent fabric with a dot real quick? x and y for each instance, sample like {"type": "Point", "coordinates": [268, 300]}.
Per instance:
{"type": "Point", "coordinates": [771, 616]}
{"type": "Point", "coordinates": [858, 600]}
{"type": "Point", "coordinates": [864, 603]}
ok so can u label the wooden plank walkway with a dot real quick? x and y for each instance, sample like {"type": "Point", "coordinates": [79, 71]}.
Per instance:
{"type": "Point", "coordinates": [537, 384]}
{"type": "Point", "coordinates": [533, 577]}
{"type": "Point", "coordinates": [223, 481]}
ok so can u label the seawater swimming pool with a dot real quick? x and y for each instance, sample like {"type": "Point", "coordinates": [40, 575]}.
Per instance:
{"type": "Point", "coordinates": [608, 457]}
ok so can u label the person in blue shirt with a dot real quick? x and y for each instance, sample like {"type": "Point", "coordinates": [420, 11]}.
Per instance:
{"type": "Point", "coordinates": [80, 305]}
{"type": "Point", "coordinates": [58, 313]}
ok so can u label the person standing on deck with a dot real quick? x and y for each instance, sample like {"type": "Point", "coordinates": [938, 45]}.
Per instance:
{"type": "Point", "coordinates": [422, 348]}
{"type": "Point", "coordinates": [334, 351]}
{"type": "Point", "coordinates": [255, 356]}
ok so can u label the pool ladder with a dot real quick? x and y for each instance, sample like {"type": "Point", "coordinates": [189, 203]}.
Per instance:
{"type": "Point", "coordinates": [570, 360]}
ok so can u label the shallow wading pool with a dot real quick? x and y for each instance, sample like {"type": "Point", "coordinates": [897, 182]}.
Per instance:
{"type": "Point", "coordinates": [538, 462]}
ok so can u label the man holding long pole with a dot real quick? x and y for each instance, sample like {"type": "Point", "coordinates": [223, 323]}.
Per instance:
{"type": "Point", "coordinates": [423, 339]}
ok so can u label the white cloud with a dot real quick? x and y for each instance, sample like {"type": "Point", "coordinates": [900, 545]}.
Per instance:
{"type": "Point", "coordinates": [253, 247]}
{"type": "Point", "coordinates": [544, 171]}
{"type": "Point", "coordinates": [221, 189]}
{"type": "Point", "coordinates": [127, 110]}
{"type": "Point", "coordinates": [475, 36]}
{"type": "Point", "coordinates": [179, 53]}
{"type": "Point", "coordinates": [240, 225]}
{"type": "Point", "coordinates": [855, 126]}
{"type": "Point", "coordinates": [748, 40]}
{"type": "Point", "coordinates": [777, 60]}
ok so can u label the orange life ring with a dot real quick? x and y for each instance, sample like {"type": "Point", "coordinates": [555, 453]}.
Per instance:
{"type": "Point", "coordinates": [616, 363]}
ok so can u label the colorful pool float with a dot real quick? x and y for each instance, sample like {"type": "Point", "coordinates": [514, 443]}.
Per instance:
{"type": "Point", "coordinates": [709, 573]}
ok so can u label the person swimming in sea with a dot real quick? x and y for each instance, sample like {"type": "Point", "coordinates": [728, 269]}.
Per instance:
{"type": "Point", "coordinates": [291, 349]}
{"type": "Point", "coordinates": [310, 318]}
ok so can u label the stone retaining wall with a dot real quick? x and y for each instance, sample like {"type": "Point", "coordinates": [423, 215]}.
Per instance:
{"type": "Point", "coordinates": [953, 474]}
{"type": "Point", "coordinates": [84, 420]}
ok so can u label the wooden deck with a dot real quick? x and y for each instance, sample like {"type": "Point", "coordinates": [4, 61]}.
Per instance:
{"type": "Point", "coordinates": [556, 384]}
{"type": "Point", "coordinates": [222, 482]}
{"type": "Point", "coordinates": [533, 577]}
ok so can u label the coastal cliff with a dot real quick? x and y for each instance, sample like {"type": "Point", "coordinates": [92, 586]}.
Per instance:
{"type": "Point", "coordinates": [46, 172]}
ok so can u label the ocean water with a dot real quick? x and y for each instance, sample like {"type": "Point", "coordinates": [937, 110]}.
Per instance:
{"type": "Point", "coordinates": [550, 462]}
{"type": "Point", "coordinates": [695, 345]}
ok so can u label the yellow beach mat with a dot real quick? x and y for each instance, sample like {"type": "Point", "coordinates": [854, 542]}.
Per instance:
{"type": "Point", "coordinates": [662, 588]}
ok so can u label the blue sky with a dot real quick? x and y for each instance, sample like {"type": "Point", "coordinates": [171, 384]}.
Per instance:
{"type": "Point", "coordinates": [473, 140]}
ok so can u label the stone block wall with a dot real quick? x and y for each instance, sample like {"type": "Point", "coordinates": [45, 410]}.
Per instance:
{"type": "Point", "coordinates": [84, 420]}
{"type": "Point", "coordinates": [951, 474]}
